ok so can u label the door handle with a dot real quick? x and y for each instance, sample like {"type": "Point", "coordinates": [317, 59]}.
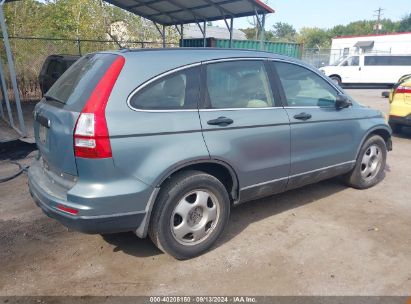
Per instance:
{"type": "Point", "coordinates": [221, 121]}
{"type": "Point", "coordinates": [303, 116]}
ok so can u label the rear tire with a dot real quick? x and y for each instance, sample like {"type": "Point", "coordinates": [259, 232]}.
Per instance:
{"type": "Point", "coordinates": [190, 214]}
{"type": "Point", "coordinates": [370, 164]}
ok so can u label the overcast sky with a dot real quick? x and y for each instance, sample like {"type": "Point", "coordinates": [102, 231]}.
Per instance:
{"type": "Point", "coordinates": [327, 13]}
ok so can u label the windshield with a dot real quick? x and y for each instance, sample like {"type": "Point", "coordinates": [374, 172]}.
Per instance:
{"type": "Point", "coordinates": [339, 61]}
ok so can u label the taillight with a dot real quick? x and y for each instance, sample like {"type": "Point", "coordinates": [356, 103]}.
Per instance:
{"type": "Point", "coordinates": [91, 138]}
{"type": "Point", "coordinates": [403, 90]}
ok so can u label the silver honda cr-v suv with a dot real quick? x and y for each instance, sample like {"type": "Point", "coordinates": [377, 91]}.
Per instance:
{"type": "Point", "coordinates": [165, 142]}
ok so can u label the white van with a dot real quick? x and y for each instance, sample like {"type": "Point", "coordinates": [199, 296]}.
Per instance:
{"type": "Point", "coordinates": [369, 69]}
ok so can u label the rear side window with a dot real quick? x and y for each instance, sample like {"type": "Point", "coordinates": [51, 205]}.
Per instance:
{"type": "Point", "coordinates": [387, 60]}
{"type": "Point", "coordinates": [176, 91]}
{"type": "Point", "coordinates": [377, 60]}
{"type": "Point", "coordinates": [238, 84]}
{"type": "Point", "coordinates": [304, 88]}
{"type": "Point", "coordinates": [75, 86]}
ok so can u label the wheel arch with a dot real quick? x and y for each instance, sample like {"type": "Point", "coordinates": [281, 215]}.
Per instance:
{"type": "Point", "coordinates": [381, 130]}
{"type": "Point", "coordinates": [217, 168]}
{"type": "Point", "coordinates": [336, 75]}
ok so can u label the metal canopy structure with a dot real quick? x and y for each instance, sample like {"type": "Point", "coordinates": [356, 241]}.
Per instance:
{"type": "Point", "coordinates": [21, 129]}
{"type": "Point", "coordinates": [179, 12]}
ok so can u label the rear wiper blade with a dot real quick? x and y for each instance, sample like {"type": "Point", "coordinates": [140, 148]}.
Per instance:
{"type": "Point", "coordinates": [48, 97]}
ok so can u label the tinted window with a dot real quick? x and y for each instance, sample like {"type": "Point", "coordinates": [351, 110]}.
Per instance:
{"type": "Point", "coordinates": [401, 60]}
{"type": "Point", "coordinates": [78, 82]}
{"type": "Point", "coordinates": [304, 88]}
{"type": "Point", "coordinates": [377, 60]}
{"type": "Point", "coordinates": [387, 60]}
{"type": "Point", "coordinates": [176, 91]}
{"type": "Point", "coordinates": [238, 84]}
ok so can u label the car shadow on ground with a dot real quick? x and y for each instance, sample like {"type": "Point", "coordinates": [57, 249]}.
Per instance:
{"type": "Point", "coordinates": [241, 216]}
{"type": "Point", "coordinates": [129, 243]}
{"type": "Point", "coordinates": [15, 150]}
{"type": "Point", "coordinates": [254, 211]}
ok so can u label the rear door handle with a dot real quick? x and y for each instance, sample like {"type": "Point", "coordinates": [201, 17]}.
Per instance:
{"type": "Point", "coordinates": [303, 116]}
{"type": "Point", "coordinates": [221, 121]}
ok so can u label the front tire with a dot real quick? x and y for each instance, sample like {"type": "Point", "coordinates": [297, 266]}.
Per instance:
{"type": "Point", "coordinates": [336, 79]}
{"type": "Point", "coordinates": [370, 164]}
{"type": "Point", "coordinates": [190, 214]}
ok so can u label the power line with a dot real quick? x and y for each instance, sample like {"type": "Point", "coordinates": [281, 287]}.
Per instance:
{"type": "Point", "coordinates": [378, 25]}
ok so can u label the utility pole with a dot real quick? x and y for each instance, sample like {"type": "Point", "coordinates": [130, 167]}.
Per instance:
{"type": "Point", "coordinates": [378, 25]}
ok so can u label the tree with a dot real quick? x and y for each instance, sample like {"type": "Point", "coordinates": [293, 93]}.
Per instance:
{"type": "Point", "coordinates": [284, 31]}
{"type": "Point", "coordinates": [251, 34]}
{"type": "Point", "coordinates": [315, 37]}
{"type": "Point", "coordinates": [405, 24]}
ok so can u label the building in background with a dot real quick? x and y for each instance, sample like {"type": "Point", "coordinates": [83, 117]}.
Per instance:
{"type": "Point", "coordinates": [395, 43]}
{"type": "Point", "coordinates": [192, 31]}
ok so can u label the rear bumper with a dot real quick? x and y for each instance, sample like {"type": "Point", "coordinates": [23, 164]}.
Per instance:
{"type": "Point", "coordinates": [398, 120]}
{"type": "Point", "coordinates": [91, 225]}
{"type": "Point", "coordinates": [92, 217]}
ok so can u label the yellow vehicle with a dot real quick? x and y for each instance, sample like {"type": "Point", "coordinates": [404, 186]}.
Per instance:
{"type": "Point", "coordinates": [400, 104]}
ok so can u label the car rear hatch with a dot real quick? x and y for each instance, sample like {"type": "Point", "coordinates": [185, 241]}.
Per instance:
{"type": "Point", "coordinates": [58, 112]}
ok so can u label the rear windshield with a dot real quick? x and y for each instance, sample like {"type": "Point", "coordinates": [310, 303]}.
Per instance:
{"type": "Point", "coordinates": [77, 83]}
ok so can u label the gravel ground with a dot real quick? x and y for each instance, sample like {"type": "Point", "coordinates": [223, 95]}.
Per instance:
{"type": "Point", "coordinates": [323, 239]}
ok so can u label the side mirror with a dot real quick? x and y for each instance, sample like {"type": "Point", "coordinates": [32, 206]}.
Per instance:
{"type": "Point", "coordinates": [342, 102]}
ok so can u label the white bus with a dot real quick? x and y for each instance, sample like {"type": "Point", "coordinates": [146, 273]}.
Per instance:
{"type": "Point", "coordinates": [369, 69]}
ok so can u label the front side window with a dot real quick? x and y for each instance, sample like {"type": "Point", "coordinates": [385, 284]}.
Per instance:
{"type": "Point", "coordinates": [177, 91]}
{"type": "Point", "coordinates": [238, 84]}
{"type": "Point", "coordinates": [304, 88]}
{"type": "Point", "coordinates": [352, 61]}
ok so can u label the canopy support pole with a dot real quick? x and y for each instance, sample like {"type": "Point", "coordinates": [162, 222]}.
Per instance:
{"type": "Point", "coordinates": [230, 29]}
{"type": "Point", "coordinates": [203, 31]}
{"type": "Point", "coordinates": [231, 32]}
{"type": "Point", "coordinates": [180, 32]}
{"type": "Point", "coordinates": [260, 28]}
{"type": "Point", "coordinates": [164, 36]}
{"type": "Point", "coordinates": [5, 96]}
{"type": "Point", "coordinates": [12, 71]}
{"type": "Point", "coordinates": [162, 32]}
{"type": "Point", "coordinates": [262, 33]}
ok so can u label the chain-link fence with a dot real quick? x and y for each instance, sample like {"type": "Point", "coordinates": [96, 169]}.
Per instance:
{"type": "Point", "coordinates": [321, 57]}
{"type": "Point", "coordinates": [29, 54]}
